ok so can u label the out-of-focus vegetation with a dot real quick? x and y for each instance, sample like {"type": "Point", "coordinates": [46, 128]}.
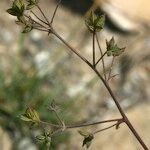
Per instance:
{"type": "Point", "coordinates": [22, 87]}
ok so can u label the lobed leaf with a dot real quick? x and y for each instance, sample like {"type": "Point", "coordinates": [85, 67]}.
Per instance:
{"type": "Point", "coordinates": [113, 49]}
{"type": "Point", "coordinates": [95, 23]}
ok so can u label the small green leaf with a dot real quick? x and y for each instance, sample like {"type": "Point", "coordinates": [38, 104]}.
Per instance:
{"type": "Point", "coordinates": [95, 23]}
{"type": "Point", "coordinates": [18, 3]}
{"type": "Point", "coordinates": [33, 2]}
{"type": "Point", "coordinates": [40, 138]}
{"type": "Point", "coordinates": [24, 118]}
{"type": "Point", "coordinates": [30, 6]}
{"type": "Point", "coordinates": [27, 29]}
{"type": "Point", "coordinates": [88, 137]}
{"type": "Point", "coordinates": [113, 49]}
{"type": "Point", "coordinates": [84, 133]}
{"type": "Point", "coordinates": [12, 12]}
{"type": "Point", "coordinates": [88, 141]}
{"type": "Point", "coordinates": [30, 115]}
{"type": "Point", "coordinates": [17, 8]}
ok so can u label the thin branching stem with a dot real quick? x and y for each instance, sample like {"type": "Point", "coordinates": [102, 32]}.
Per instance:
{"type": "Point", "coordinates": [53, 16]}
{"type": "Point", "coordinates": [59, 119]}
{"type": "Point", "coordinates": [41, 29]}
{"type": "Point", "coordinates": [103, 63]}
{"type": "Point", "coordinates": [91, 124]}
{"type": "Point", "coordinates": [29, 17]}
{"type": "Point", "coordinates": [106, 128]}
{"type": "Point", "coordinates": [50, 124]}
{"type": "Point", "coordinates": [82, 125]}
{"type": "Point", "coordinates": [93, 48]}
{"type": "Point", "coordinates": [43, 15]}
{"type": "Point", "coordinates": [113, 76]}
{"type": "Point", "coordinates": [100, 58]}
{"type": "Point", "coordinates": [111, 67]}
{"type": "Point", "coordinates": [125, 118]}
{"type": "Point", "coordinates": [71, 48]}
{"type": "Point", "coordinates": [93, 67]}
{"type": "Point", "coordinates": [39, 18]}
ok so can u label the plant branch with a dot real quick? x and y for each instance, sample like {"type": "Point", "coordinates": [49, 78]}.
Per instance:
{"type": "Point", "coordinates": [35, 21]}
{"type": "Point", "coordinates": [113, 76]}
{"type": "Point", "coordinates": [105, 128]}
{"type": "Point", "coordinates": [100, 58]}
{"type": "Point", "coordinates": [126, 120]}
{"type": "Point", "coordinates": [71, 48]}
{"type": "Point", "coordinates": [110, 70]}
{"type": "Point", "coordinates": [39, 18]}
{"type": "Point", "coordinates": [91, 124]}
{"type": "Point", "coordinates": [43, 14]}
{"type": "Point", "coordinates": [59, 119]}
{"type": "Point", "coordinates": [55, 12]}
{"type": "Point", "coordinates": [41, 29]}
{"type": "Point", "coordinates": [94, 48]}
{"type": "Point", "coordinates": [103, 64]}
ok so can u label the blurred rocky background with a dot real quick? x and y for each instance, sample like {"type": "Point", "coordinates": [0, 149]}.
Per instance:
{"type": "Point", "coordinates": [35, 68]}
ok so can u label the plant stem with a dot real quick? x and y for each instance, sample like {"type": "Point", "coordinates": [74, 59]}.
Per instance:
{"type": "Point", "coordinates": [110, 70]}
{"type": "Point", "coordinates": [91, 124]}
{"type": "Point", "coordinates": [39, 18]}
{"type": "Point", "coordinates": [71, 48]}
{"type": "Point", "coordinates": [125, 118]}
{"type": "Point", "coordinates": [82, 125]}
{"type": "Point", "coordinates": [43, 15]}
{"type": "Point", "coordinates": [93, 48]}
{"type": "Point", "coordinates": [59, 119]}
{"type": "Point", "coordinates": [103, 64]}
{"type": "Point", "coordinates": [35, 21]}
{"type": "Point", "coordinates": [55, 12]}
{"type": "Point", "coordinates": [100, 58]}
{"type": "Point", "coordinates": [104, 129]}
